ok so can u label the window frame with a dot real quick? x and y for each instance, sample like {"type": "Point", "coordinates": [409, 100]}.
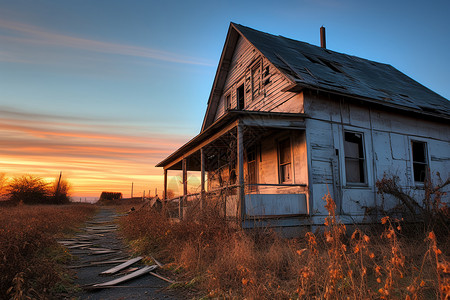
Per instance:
{"type": "Point", "coordinates": [426, 163]}
{"type": "Point", "coordinates": [227, 101]}
{"type": "Point", "coordinates": [240, 104]}
{"type": "Point", "coordinates": [363, 159]}
{"type": "Point", "coordinates": [280, 165]}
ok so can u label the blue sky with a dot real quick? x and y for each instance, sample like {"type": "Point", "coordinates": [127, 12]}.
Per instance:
{"type": "Point", "coordinates": [104, 90]}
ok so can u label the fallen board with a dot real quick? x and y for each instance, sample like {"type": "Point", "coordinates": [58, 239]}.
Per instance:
{"type": "Point", "coordinates": [99, 252]}
{"type": "Point", "coordinates": [121, 266]}
{"type": "Point", "coordinates": [135, 274]}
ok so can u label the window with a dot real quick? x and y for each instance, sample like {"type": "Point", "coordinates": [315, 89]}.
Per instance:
{"type": "Point", "coordinates": [256, 81]}
{"type": "Point", "coordinates": [227, 102]}
{"type": "Point", "coordinates": [284, 158]}
{"type": "Point", "coordinates": [251, 168]}
{"type": "Point", "coordinates": [354, 157]}
{"type": "Point", "coordinates": [240, 97]}
{"type": "Point", "coordinates": [419, 160]}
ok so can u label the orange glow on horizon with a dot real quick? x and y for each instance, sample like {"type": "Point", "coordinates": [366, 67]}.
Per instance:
{"type": "Point", "coordinates": [92, 158]}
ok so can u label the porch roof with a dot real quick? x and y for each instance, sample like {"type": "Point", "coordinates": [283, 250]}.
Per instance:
{"type": "Point", "coordinates": [229, 121]}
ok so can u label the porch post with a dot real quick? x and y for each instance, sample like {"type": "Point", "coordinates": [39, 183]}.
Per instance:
{"type": "Point", "coordinates": [165, 185]}
{"type": "Point", "coordinates": [202, 179]}
{"type": "Point", "coordinates": [240, 161]}
{"type": "Point", "coordinates": [182, 199]}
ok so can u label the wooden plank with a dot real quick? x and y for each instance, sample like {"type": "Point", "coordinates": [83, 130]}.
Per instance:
{"type": "Point", "coordinates": [102, 252]}
{"type": "Point", "coordinates": [79, 246]}
{"type": "Point", "coordinates": [156, 262]}
{"type": "Point", "coordinates": [121, 266]}
{"type": "Point", "coordinates": [133, 275]}
{"type": "Point", "coordinates": [162, 277]}
{"type": "Point", "coordinates": [99, 249]}
{"type": "Point", "coordinates": [105, 262]}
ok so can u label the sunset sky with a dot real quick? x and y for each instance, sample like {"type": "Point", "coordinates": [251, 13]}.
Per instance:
{"type": "Point", "coordinates": [103, 90]}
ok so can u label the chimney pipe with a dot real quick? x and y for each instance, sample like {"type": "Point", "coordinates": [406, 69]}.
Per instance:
{"type": "Point", "coordinates": [323, 42]}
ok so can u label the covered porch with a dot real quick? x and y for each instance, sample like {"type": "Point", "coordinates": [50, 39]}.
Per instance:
{"type": "Point", "coordinates": [229, 157]}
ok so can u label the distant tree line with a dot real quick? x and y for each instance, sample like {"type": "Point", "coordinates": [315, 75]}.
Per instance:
{"type": "Point", "coordinates": [31, 189]}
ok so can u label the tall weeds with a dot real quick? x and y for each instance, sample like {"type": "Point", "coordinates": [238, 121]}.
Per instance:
{"type": "Point", "coordinates": [332, 263]}
{"type": "Point", "coordinates": [28, 248]}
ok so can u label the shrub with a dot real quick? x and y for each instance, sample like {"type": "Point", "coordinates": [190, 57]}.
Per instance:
{"type": "Point", "coordinates": [28, 189]}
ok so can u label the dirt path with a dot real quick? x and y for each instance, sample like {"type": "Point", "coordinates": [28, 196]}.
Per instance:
{"type": "Point", "coordinates": [98, 242]}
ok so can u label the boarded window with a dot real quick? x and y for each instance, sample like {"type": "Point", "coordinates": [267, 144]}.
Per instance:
{"type": "Point", "coordinates": [256, 81]}
{"type": "Point", "coordinates": [354, 157]}
{"type": "Point", "coordinates": [284, 158]}
{"type": "Point", "coordinates": [240, 97]}
{"type": "Point", "coordinates": [419, 157]}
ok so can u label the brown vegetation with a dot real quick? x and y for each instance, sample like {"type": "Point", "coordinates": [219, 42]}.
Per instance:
{"type": "Point", "coordinates": [29, 252]}
{"type": "Point", "coordinates": [333, 263]}
{"type": "Point", "coordinates": [31, 189]}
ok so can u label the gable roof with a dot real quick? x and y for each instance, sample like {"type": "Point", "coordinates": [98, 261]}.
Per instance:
{"type": "Point", "coordinates": [313, 67]}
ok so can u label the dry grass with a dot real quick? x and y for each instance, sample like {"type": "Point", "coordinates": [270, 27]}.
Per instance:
{"type": "Point", "coordinates": [334, 263]}
{"type": "Point", "coordinates": [29, 253]}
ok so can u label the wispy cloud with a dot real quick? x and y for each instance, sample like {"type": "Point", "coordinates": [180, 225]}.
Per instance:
{"type": "Point", "coordinates": [94, 157]}
{"type": "Point", "coordinates": [33, 35]}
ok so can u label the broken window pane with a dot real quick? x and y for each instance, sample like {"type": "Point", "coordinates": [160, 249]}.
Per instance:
{"type": "Point", "coordinates": [240, 97]}
{"type": "Point", "coordinates": [354, 157]}
{"type": "Point", "coordinates": [420, 164]}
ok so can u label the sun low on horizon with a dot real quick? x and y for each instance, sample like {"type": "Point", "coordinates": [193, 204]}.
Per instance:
{"type": "Point", "coordinates": [102, 91]}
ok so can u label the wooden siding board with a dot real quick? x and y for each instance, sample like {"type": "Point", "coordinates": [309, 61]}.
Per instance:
{"type": "Point", "coordinates": [271, 98]}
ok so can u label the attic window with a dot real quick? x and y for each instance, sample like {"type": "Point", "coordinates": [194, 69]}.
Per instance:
{"type": "Point", "coordinates": [228, 102]}
{"type": "Point", "coordinates": [330, 65]}
{"type": "Point", "coordinates": [240, 97]}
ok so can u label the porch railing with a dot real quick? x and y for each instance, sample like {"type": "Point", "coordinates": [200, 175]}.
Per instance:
{"type": "Point", "coordinates": [261, 200]}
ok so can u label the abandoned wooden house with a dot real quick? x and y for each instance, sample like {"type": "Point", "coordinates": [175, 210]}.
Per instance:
{"type": "Point", "coordinates": [288, 122]}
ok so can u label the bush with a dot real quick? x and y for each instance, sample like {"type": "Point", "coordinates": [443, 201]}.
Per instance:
{"type": "Point", "coordinates": [29, 189]}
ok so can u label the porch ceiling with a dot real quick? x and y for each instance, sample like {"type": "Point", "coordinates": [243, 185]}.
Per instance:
{"type": "Point", "coordinates": [220, 137]}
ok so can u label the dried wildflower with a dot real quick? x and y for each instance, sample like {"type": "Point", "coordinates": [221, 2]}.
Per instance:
{"type": "Point", "coordinates": [300, 252]}
{"type": "Point", "coordinates": [366, 238]}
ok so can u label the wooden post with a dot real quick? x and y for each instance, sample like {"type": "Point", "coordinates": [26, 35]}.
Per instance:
{"type": "Point", "coordinates": [202, 179]}
{"type": "Point", "coordinates": [165, 185]}
{"type": "Point", "coordinates": [240, 161]}
{"type": "Point", "coordinates": [182, 199]}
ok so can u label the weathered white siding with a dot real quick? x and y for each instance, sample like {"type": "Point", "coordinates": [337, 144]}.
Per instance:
{"type": "Point", "coordinates": [387, 145]}
{"type": "Point", "coordinates": [270, 98]}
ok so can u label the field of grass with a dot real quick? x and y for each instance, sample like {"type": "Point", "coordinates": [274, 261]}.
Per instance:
{"type": "Point", "coordinates": [29, 253]}
{"type": "Point", "coordinates": [387, 261]}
